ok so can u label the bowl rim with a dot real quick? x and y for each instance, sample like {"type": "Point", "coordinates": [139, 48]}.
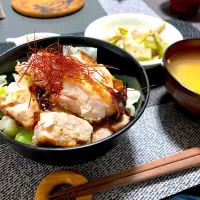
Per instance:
{"type": "Point", "coordinates": [165, 65]}
{"type": "Point", "coordinates": [82, 38]}
{"type": "Point", "coordinates": [148, 64]}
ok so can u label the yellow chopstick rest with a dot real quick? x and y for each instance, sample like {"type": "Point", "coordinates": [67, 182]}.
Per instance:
{"type": "Point", "coordinates": [57, 178]}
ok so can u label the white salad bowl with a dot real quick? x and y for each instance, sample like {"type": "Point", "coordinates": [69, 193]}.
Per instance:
{"type": "Point", "coordinates": [106, 26]}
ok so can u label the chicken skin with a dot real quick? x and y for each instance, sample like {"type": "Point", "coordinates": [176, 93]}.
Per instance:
{"type": "Point", "coordinates": [90, 98]}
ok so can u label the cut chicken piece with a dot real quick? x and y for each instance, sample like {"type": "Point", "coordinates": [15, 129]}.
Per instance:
{"type": "Point", "coordinates": [107, 128]}
{"type": "Point", "coordinates": [19, 104]}
{"type": "Point", "coordinates": [58, 108]}
{"type": "Point", "coordinates": [16, 92]}
{"type": "Point", "coordinates": [119, 125]}
{"type": "Point", "coordinates": [101, 133]}
{"type": "Point", "coordinates": [61, 129]}
{"type": "Point", "coordinates": [103, 75]}
{"type": "Point", "coordinates": [90, 101]}
{"type": "Point", "coordinates": [87, 90]}
{"type": "Point", "coordinates": [23, 113]}
{"type": "Point", "coordinates": [100, 72]}
{"type": "Point", "coordinates": [84, 58]}
{"type": "Point", "coordinates": [101, 130]}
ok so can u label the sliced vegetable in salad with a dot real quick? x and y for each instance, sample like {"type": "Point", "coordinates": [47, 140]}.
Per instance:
{"type": "Point", "coordinates": [144, 46]}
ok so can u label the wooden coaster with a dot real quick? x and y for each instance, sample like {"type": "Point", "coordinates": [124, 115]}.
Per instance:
{"type": "Point", "coordinates": [47, 8]}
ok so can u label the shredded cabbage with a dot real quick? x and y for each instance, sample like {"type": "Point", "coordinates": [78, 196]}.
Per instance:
{"type": "Point", "coordinates": [3, 80]}
{"type": "Point", "coordinates": [90, 51]}
{"type": "Point", "coordinates": [132, 97]}
{"type": "Point", "coordinates": [9, 127]}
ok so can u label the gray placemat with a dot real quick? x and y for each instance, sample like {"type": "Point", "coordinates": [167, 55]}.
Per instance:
{"type": "Point", "coordinates": [162, 130]}
{"type": "Point", "coordinates": [126, 6]}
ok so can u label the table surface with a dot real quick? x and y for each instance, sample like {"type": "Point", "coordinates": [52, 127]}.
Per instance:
{"type": "Point", "coordinates": [15, 25]}
{"type": "Point", "coordinates": [162, 8]}
{"type": "Point", "coordinates": [162, 130]}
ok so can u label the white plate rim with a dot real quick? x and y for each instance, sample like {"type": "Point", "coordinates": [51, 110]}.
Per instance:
{"type": "Point", "coordinates": [23, 39]}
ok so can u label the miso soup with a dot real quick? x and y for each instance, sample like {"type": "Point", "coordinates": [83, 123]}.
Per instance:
{"type": "Point", "coordinates": [185, 67]}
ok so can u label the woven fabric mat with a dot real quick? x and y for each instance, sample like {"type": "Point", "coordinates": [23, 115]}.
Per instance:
{"type": "Point", "coordinates": [162, 130]}
{"type": "Point", "coordinates": [126, 6]}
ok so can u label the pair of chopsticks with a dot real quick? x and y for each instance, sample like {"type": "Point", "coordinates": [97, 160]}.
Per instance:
{"type": "Point", "coordinates": [169, 164]}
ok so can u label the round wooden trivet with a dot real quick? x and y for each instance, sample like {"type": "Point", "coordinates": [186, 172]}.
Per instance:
{"type": "Point", "coordinates": [47, 8]}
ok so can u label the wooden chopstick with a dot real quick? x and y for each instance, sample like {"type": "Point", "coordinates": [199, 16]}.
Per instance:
{"type": "Point", "coordinates": [156, 172]}
{"type": "Point", "coordinates": [168, 164]}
